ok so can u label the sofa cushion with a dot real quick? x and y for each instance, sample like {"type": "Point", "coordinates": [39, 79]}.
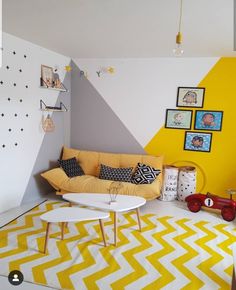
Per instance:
{"type": "Point", "coordinates": [71, 167]}
{"type": "Point", "coordinates": [91, 184]}
{"type": "Point", "coordinates": [145, 174]}
{"type": "Point", "coordinates": [90, 162]}
{"type": "Point", "coordinates": [55, 177]}
{"type": "Point", "coordinates": [115, 174]}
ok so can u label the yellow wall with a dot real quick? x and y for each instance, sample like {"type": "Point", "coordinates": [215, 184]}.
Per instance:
{"type": "Point", "coordinates": [219, 166]}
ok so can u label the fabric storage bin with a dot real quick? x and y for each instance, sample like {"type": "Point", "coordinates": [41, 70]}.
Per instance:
{"type": "Point", "coordinates": [169, 187]}
{"type": "Point", "coordinates": [186, 182]}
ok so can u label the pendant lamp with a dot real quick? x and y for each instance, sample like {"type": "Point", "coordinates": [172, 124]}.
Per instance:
{"type": "Point", "coordinates": [48, 125]}
{"type": "Point", "coordinates": [178, 50]}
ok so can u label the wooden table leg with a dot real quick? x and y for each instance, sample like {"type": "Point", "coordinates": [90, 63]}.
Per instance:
{"type": "Point", "coordinates": [115, 228]}
{"type": "Point", "coordinates": [70, 205]}
{"type": "Point", "coordinates": [139, 221]}
{"type": "Point", "coordinates": [46, 238]}
{"type": "Point", "coordinates": [233, 285]}
{"type": "Point", "coordinates": [103, 233]}
{"type": "Point", "coordinates": [62, 229]}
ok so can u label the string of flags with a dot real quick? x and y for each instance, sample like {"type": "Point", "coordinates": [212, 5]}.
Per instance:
{"type": "Point", "coordinates": [100, 72]}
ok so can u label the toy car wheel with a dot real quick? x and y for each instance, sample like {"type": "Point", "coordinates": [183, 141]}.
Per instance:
{"type": "Point", "coordinates": [194, 205]}
{"type": "Point", "coordinates": [228, 213]}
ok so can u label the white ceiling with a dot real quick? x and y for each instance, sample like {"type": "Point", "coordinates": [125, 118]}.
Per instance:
{"type": "Point", "coordinates": [122, 28]}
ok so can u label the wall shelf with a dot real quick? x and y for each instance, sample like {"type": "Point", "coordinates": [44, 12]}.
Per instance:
{"type": "Point", "coordinates": [43, 85]}
{"type": "Point", "coordinates": [44, 107]}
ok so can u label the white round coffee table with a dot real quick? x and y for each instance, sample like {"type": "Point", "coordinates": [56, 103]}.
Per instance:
{"type": "Point", "coordinates": [102, 201]}
{"type": "Point", "coordinates": [64, 215]}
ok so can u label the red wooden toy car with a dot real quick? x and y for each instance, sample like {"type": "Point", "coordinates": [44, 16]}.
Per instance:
{"type": "Point", "coordinates": [226, 205]}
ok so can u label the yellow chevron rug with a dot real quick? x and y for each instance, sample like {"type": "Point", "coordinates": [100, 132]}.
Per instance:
{"type": "Point", "coordinates": [170, 253]}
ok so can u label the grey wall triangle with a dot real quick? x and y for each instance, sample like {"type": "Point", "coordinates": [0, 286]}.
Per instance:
{"type": "Point", "coordinates": [94, 125]}
{"type": "Point", "coordinates": [50, 149]}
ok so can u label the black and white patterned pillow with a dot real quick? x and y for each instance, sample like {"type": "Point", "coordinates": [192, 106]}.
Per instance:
{"type": "Point", "coordinates": [115, 174]}
{"type": "Point", "coordinates": [71, 167]}
{"type": "Point", "coordinates": [145, 174]}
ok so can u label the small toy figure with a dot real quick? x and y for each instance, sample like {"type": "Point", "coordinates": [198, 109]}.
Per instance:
{"type": "Point", "coordinates": [56, 81]}
{"type": "Point", "coordinates": [208, 120]}
{"type": "Point", "coordinates": [197, 142]}
{"type": "Point", "coordinates": [190, 98]}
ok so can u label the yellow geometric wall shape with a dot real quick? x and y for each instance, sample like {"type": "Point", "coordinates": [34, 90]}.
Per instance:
{"type": "Point", "coordinates": [219, 165]}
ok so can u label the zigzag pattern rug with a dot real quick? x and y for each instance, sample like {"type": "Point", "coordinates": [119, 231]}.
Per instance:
{"type": "Point", "coordinates": [170, 253]}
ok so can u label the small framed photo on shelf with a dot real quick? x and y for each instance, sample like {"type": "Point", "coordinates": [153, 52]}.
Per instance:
{"type": "Point", "coordinates": [197, 141]}
{"type": "Point", "coordinates": [47, 76]}
{"type": "Point", "coordinates": [208, 120]}
{"type": "Point", "coordinates": [178, 119]}
{"type": "Point", "coordinates": [190, 97]}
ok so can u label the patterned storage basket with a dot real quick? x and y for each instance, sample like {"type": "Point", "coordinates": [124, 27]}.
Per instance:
{"type": "Point", "coordinates": [169, 187]}
{"type": "Point", "coordinates": [186, 182]}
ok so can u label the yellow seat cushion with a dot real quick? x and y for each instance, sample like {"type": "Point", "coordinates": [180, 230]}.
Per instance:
{"type": "Point", "coordinates": [90, 162]}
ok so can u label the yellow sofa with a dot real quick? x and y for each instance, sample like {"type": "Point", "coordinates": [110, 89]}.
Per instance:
{"type": "Point", "coordinates": [90, 183]}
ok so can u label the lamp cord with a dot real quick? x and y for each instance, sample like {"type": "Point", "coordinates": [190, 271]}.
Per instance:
{"type": "Point", "coordinates": [180, 14]}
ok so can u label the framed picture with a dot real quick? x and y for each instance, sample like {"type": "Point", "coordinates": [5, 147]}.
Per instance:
{"type": "Point", "coordinates": [208, 120]}
{"type": "Point", "coordinates": [190, 97]}
{"type": "Point", "coordinates": [197, 141]}
{"type": "Point", "coordinates": [178, 119]}
{"type": "Point", "coordinates": [47, 76]}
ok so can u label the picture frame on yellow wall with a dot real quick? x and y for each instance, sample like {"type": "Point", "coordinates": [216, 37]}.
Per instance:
{"type": "Point", "coordinates": [208, 120]}
{"type": "Point", "coordinates": [178, 119]}
{"type": "Point", "coordinates": [197, 141]}
{"type": "Point", "coordinates": [192, 97]}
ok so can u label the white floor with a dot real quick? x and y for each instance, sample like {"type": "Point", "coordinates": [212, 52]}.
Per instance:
{"type": "Point", "coordinates": [161, 208]}
{"type": "Point", "coordinates": [12, 214]}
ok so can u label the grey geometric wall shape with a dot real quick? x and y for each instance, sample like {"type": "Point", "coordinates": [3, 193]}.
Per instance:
{"type": "Point", "coordinates": [94, 125]}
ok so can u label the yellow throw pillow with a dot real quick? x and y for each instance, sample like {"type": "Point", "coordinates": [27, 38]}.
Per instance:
{"type": "Point", "coordinates": [55, 177]}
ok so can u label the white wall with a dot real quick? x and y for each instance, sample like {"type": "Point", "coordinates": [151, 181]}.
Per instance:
{"type": "Point", "coordinates": [18, 161]}
{"type": "Point", "coordinates": [140, 89]}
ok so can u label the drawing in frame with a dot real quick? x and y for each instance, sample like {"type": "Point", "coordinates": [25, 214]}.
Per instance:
{"type": "Point", "coordinates": [191, 97]}
{"type": "Point", "coordinates": [197, 141]}
{"type": "Point", "coordinates": [178, 119]}
{"type": "Point", "coordinates": [47, 76]}
{"type": "Point", "coordinates": [208, 120]}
